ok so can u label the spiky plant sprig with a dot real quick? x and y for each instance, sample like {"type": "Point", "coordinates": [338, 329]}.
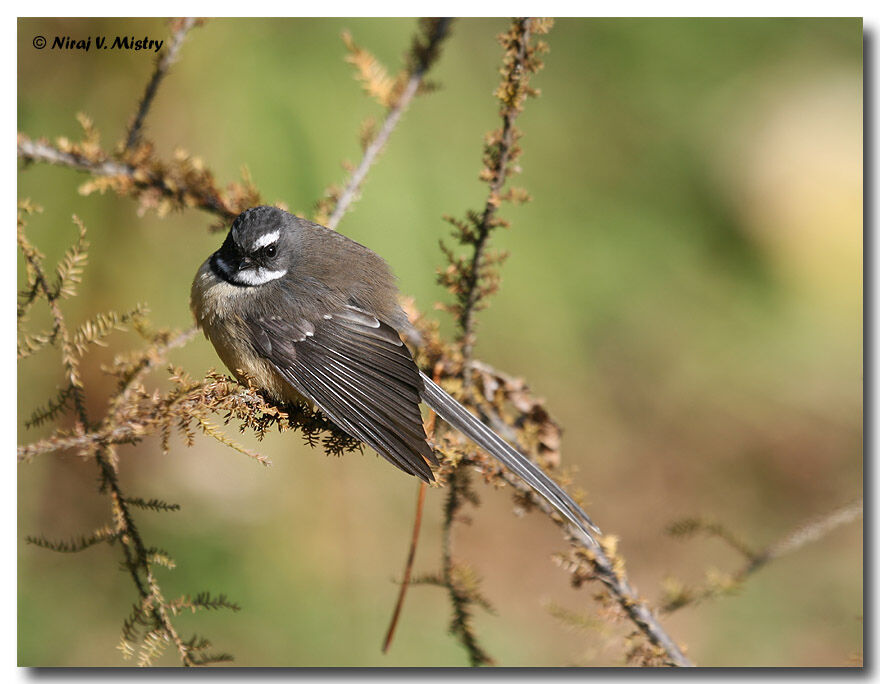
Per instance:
{"type": "Point", "coordinates": [677, 594]}
{"type": "Point", "coordinates": [473, 276]}
{"type": "Point", "coordinates": [394, 94]}
{"type": "Point", "coordinates": [149, 629]}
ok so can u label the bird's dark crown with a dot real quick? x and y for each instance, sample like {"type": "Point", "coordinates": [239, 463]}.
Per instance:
{"type": "Point", "coordinates": [253, 225]}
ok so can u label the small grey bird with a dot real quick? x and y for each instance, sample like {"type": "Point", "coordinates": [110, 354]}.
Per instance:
{"type": "Point", "coordinates": [308, 313]}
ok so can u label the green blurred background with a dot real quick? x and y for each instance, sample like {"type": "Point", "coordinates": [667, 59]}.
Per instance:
{"type": "Point", "coordinates": [685, 290]}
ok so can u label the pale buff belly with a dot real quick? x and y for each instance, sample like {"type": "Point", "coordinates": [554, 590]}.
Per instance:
{"type": "Point", "coordinates": [210, 302]}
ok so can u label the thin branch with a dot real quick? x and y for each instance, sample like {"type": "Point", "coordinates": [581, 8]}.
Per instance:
{"type": "Point", "coordinates": [462, 598]}
{"type": "Point", "coordinates": [512, 92]}
{"type": "Point", "coordinates": [136, 555]}
{"type": "Point", "coordinates": [138, 423]}
{"type": "Point", "coordinates": [719, 584]}
{"type": "Point", "coordinates": [63, 442]}
{"type": "Point", "coordinates": [168, 57]}
{"type": "Point", "coordinates": [423, 61]}
{"type": "Point", "coordinates": [801, 536]}
{"type": "Point", "coordinates": [206, 199]}
{"type": "Point", "coordinates": [407, 572]}
{"type": "Point", "coordinates": [134, 549]}
{"type": "Point", "coordinates": [41, 151]}
{"type": "Point", "coordinates": [603, 568]}
{"type": "Point", "coordinates": [51, 295]}
{"type": "Point", "coordinates": [464, 280]}
{"type": "Point", "coordinates": [111, 434]}
{"type": "Point", "coordinates": [152, 357]}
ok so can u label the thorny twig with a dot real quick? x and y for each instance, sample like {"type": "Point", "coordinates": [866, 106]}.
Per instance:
{"type": "Point", "coordinates": [598, 563]}
{"type": "Point", "coordinates": [109, 434]}
{"type": "Point", "coordinates": [513, 93]}
{"type": "Point", "coordinates": [462, 595]}
{"type": "Point", "coordinates": [678, 595]}
{"type": "Point", "coordinates": [40, 151]}
{"type": "Point", "coordinates": [422, 57]}
{"type": "Point", "coordinates": [168, 57]}
{"type": "Point", "coordinates": [148, 362]}
{"type": "Point", "coordinates": [136, 553]}
{"type": "Point", "coordinates": [140, 179]}
{"type": "Point", "coordinates": [471, 279]}
{"type": "Point", "coordinates": [803, 535]}
{"type": "Point", "coordinates": [588, 562]}
{"type": "Point", "coordinates": [464, 278]}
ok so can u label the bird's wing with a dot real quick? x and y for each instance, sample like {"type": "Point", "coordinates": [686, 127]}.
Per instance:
{"type": "Point", "coordinates": [358, 371]}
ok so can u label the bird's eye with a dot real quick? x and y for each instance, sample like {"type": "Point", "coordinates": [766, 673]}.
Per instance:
{"type": "Point", "coordinates": [271, 250]}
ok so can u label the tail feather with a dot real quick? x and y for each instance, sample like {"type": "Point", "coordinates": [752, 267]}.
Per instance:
{"type": "Point", "coordinates": [464, 421]}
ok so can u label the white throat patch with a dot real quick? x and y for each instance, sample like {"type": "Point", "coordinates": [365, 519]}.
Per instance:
{"type": "Point", "coordinates": [248, 276]}
{"type": "Point", "coordinates": [257, 276]}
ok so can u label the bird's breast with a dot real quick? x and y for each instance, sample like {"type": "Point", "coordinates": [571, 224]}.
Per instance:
{"type": "Point", "coordinates": [218, 308]}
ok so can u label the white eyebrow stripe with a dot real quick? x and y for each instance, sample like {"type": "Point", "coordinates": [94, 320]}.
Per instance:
{"type": "Point", "coordinates": [257, 276]}
{"type": "Point", "coordinates": [267, 239]}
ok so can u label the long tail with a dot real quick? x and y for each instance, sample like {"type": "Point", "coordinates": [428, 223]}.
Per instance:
{"type": "Point", "coordinates": [464, 421]}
